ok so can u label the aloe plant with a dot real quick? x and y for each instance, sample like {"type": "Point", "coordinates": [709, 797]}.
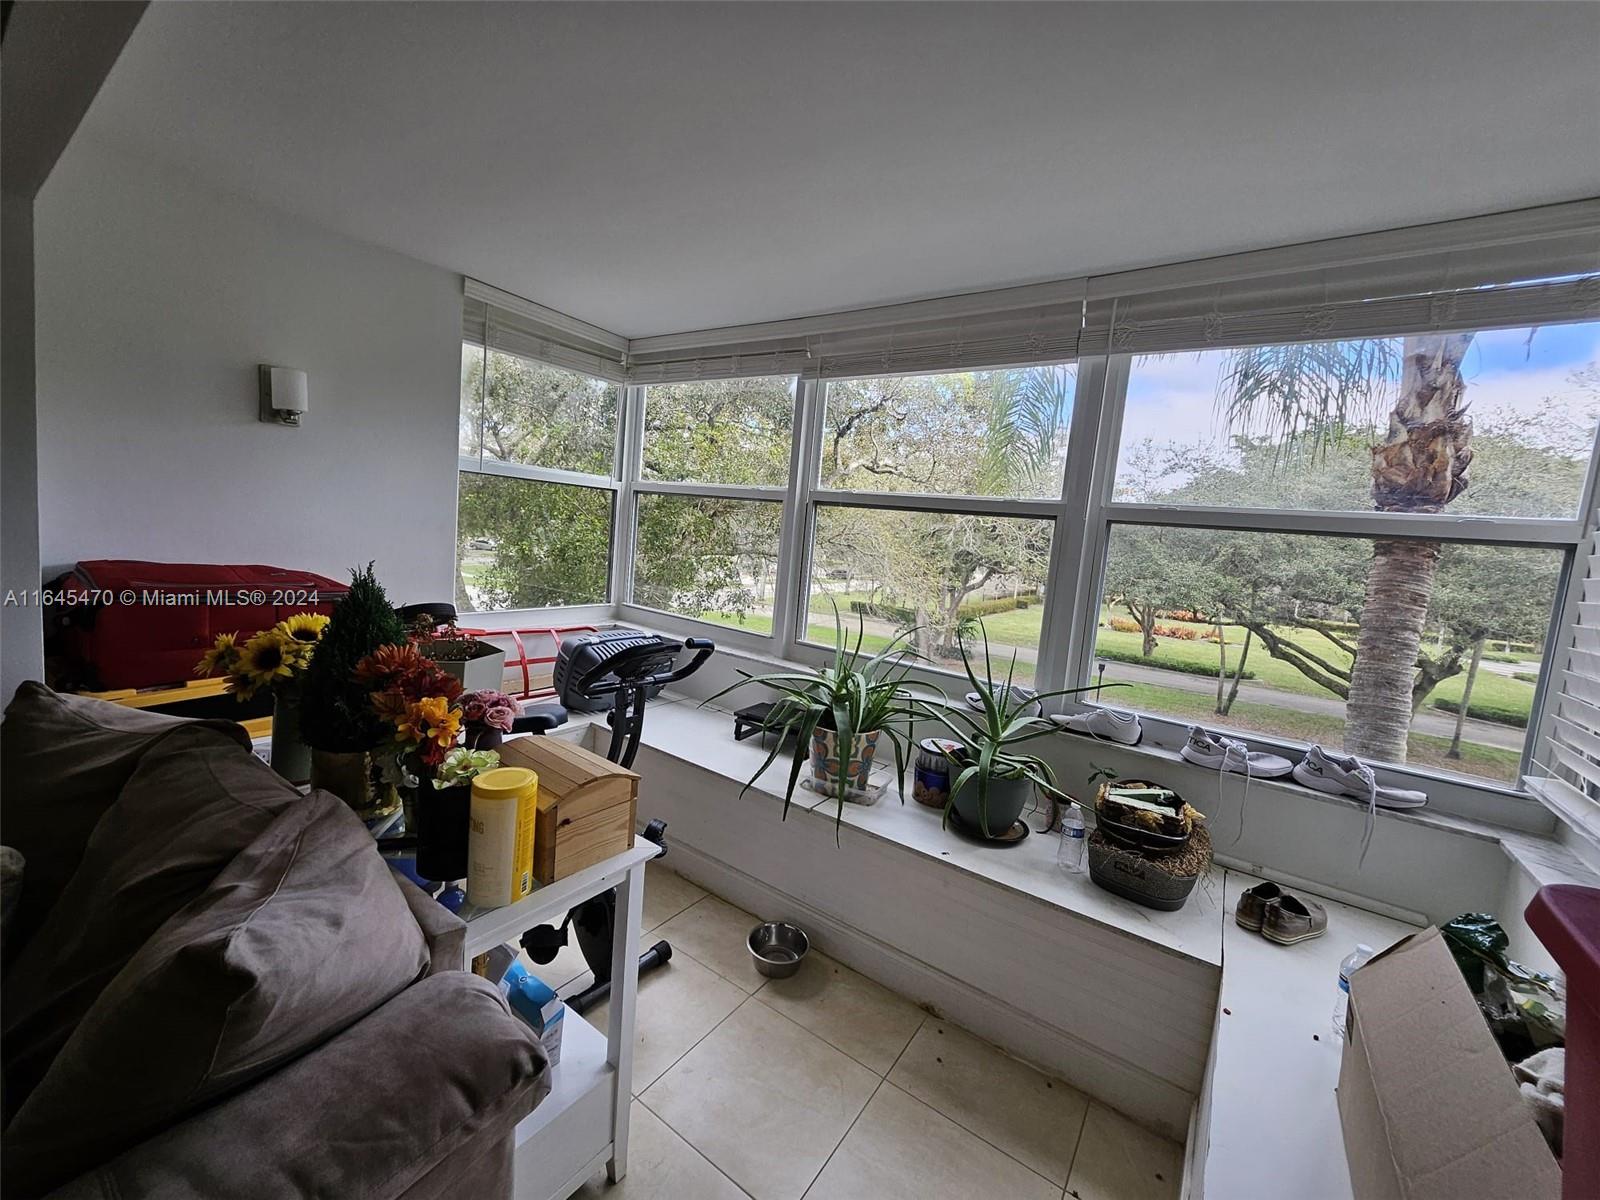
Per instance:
{"type": "Point", "coordinates": [851, 695]}
{"type": "Point", "coordinates": [989, 736]}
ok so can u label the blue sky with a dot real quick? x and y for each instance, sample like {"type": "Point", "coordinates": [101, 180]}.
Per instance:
{"type": "Point", "coordinates": [1172, 399]}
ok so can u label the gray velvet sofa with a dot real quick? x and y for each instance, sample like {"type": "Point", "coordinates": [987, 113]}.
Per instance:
{"type": "Point", "coordinates": [215, 987]}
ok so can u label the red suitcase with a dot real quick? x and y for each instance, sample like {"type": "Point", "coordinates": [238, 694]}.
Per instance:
{"type": "Point", "coordinates": [120, 623]}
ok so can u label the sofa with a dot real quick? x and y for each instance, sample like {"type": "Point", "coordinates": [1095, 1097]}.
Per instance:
{"type": "Point", "coordinates": [214, 986]}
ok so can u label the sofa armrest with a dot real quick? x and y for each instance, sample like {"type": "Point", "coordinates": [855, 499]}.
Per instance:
{"type": "Point", "coordinates": [441, 1068]}
{"type": "Point", "coordinates": [445, 933]}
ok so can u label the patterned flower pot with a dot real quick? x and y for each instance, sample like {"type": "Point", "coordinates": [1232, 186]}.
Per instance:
{"type": "Point", "coordinates": [826, 770]}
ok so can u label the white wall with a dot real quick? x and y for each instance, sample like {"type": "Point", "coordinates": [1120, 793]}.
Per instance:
{"type": "Point", "coordinates": [157, 298]}
{"type": "Point", "coordinates": [21, 645]}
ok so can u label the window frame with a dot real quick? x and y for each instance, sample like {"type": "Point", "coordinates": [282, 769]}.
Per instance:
{"type": "Point", "coordinates": [633, 486]}
{"type": "Point", "coordinates": [1102, 511]}
{"type": "Point", "coordinates": [481, 464]}
{"type": "Point", "coordinates": [1083, 514]}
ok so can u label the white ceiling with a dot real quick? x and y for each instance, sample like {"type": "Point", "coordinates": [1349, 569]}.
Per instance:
{"type": "Point", "coordinates": [661, 167]}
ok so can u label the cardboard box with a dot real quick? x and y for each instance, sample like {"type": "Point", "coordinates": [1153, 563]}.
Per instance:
{"type": "Point", "coordinates": [586, 805]}
{"type": "Point", "coordinates": [1429, 1107]}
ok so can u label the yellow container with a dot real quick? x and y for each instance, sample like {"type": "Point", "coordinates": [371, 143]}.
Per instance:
{"type": "Point", "coordinates": [505, 812]}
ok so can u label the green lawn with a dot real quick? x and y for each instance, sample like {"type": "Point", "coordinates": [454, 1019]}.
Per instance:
{"type": "Point", "coordinates": [1492, 692]}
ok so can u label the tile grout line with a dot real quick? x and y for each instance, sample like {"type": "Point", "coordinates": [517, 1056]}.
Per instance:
{"type": "Point", "coordinates": [692, 1146]}
{"type": "Point", "coordinates": [1077, 1144]}
{"type": "Point", "coordinates": [1089, 1101]}
{"type": "Point", "coordinates": [882, 1080]}
{"type": "Point", "coordinates": [675, 1132]}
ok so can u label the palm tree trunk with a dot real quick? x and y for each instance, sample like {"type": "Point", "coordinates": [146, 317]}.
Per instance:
{"type": "Point", "coordinates": [1466, 698]}
{"type": "Point", "coordinates": [1399, 586]}
{"type": "Point", "coordinates": [1419, 467]}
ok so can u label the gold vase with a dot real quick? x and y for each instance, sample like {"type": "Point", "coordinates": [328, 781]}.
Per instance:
{"type": "Point", "coordinates": [356, 779]}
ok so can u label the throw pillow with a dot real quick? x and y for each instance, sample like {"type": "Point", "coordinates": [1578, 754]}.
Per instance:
{"type": "Point", "coordinates": [63, 759]}
{"type": "Point", "coordinates": [301, 936]}
{"type": "Point", "coordinates": [194, 801]}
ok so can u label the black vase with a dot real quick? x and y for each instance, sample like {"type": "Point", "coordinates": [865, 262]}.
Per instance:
{"type": "Point", "coordinates": [442, 816]}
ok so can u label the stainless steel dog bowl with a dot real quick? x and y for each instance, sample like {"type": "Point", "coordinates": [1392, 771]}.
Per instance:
{"type": "Point", "coordinates": [778, 948]}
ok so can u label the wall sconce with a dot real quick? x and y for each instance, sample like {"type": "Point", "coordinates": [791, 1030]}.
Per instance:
{"type": "Point", "coordinates": [284, 398]}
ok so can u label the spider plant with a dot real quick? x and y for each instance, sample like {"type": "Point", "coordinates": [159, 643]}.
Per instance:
{"type": "Point", "coordinates": [853, 695]}
{"type": "Point", "coordinates": [991, 735]}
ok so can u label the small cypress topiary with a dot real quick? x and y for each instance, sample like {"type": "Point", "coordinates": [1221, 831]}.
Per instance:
{"type": "Point", "coordinates": [336, 711]}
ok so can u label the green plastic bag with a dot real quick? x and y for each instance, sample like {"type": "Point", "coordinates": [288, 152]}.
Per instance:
{"type": "Point", "coordinates": [1526, 1010]}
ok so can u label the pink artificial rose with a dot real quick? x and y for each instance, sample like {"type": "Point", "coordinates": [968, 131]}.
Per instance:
{"type": "Point", "coordinates": [500, 716]}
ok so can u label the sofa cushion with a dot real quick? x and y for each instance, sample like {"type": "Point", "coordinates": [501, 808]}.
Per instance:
{"type": "Point", "coordinates": [194, 801]}
{"type": "Point", "coordinates": [302, 935]}
{"type": "Point", "coordinates": [63, 759]}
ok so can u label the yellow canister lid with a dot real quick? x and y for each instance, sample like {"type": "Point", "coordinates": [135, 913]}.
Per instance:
{"type": "Point", "coordinates": [505, 783]}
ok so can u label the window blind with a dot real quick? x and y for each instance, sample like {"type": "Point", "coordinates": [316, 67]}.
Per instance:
{"type": "Point", "coordinates": [1568, 756]}
{"type": "Point", "coordinates": [1526, 268]}
{"type": "Point", "coordinates": [506, 322]}
{"type": "Point", "coordinates": [1009, 326]}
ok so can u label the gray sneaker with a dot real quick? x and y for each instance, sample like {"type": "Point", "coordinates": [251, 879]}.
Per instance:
{"type": "Point", "coordinates": [1289, 919]}
{"type": "Point", "coordinates": [1251, 911]}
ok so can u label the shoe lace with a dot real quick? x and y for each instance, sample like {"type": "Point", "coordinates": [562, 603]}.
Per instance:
{"type": "Point", "coordinates": [1364, 774]}
{"type": "Point", "coordinates": [1232, 747]}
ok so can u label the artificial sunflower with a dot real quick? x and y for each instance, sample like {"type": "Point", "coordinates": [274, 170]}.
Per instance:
{"type": "Point", "coordinates": [265, 660]}
{"type": "Point", "coordinates": [222, 658]}
{"type": "Point", "coordinates": [305, 628]}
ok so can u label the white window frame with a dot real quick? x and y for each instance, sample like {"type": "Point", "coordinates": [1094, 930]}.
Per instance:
{"type": "Point", "coordinates": [1083, 514]}
{"type": "Point", "coordinates": [634, 485]}
{"type": "Point", "coordinates": [1458, 794]}
{"type": "Point", "coordinates": [482, 464]}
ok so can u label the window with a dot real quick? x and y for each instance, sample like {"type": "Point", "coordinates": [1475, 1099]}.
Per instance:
{"type": "Point", "coordinates": [975, 433]}
{"type": "Point", "coordinates": [527, 544]}
{"type": "Point", "coordinates": [933, 575]}
{"type": "Point", "coordinates": [735, 431]}
{"type": "Point", "coordinates": [1315, 528]}
{"type": "Point", "coordinates": [887, 552]}
{"type": "Point", "coordinates": [708, 557]}
{"type": "Point", "coordinates": [1283, 549]}
{"type": "Point", "coordinates": [537, 489]}
{"type": "Point", "coordinates": [1293, 426]}
{"type": "Point", "coordinates": [713, 472]}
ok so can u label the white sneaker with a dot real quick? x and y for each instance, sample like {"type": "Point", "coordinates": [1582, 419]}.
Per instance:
{"type": "Point", "coordinates": [1343, 775]}
{"type": "Point", "coordinates": [1107, 724]}
{"type": "Point", "coordinates": [1206, 749]}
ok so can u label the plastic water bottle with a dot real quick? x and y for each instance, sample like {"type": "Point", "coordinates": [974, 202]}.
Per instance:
{"type": "Point", "coordinates": [1070, 852]}
{"type": "Point", "coordinates": [1355, 959]}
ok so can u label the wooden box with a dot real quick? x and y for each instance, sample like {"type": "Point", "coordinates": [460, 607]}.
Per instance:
{"type": "Point", "coordinates": [586, 805]}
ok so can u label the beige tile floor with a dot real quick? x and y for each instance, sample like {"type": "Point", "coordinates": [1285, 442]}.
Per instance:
{"type": "Point", "coordinates": [828, 1086]}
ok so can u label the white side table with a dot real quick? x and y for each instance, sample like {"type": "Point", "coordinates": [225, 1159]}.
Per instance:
{"type": "Point", "coordinates": [582, 1124]}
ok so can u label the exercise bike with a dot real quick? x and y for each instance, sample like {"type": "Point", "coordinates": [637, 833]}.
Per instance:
{"type": "Point", "coordinates": [618, 670]}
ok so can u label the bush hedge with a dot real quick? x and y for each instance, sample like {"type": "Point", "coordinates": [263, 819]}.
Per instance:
{"type": "Point", "coordinates": [1485, 711]}
{"type": "Point", "coordinates": [902, 615]}
{"type": "Point", "coordinates": [1164, 664]}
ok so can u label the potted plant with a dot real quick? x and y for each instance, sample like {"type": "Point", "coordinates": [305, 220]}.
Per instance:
{"type": "Point", "coordinates": [1149, 845]}
{"type": "Point", "coordinates": [443, 811]}
{"type": "Point", "coordinates": [275, 659]}
{"type": "Point", "coordinates": [487, 716]}
{"type": "Point", "coordinates": [479, 665]}
{"type": "Point", "coordinates": [337, 719]}
{"type": "Point", "coordinates": [993, 781]}
{"type": "Point", "coordinates": [839, 713]}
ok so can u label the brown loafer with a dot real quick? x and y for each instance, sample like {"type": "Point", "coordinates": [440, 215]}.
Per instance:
{"type": "Point", "coordinates": [1251, 910]}
{"type": "Point", "coordinates": [1289, 919]}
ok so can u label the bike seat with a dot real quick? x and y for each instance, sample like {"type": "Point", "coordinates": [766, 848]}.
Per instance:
{"type": "Point", "coordinates": [540, 719]}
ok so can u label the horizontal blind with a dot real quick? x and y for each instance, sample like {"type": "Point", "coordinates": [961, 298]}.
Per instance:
{"type": "Point", "coordinates": [1012, 326]}
{"type": "Point", "coordinates": [1519, 270]}
{"type": "Point", "coordinates": [501, 321]}
{"type": "Point", "coordinates": [1568, 756]}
